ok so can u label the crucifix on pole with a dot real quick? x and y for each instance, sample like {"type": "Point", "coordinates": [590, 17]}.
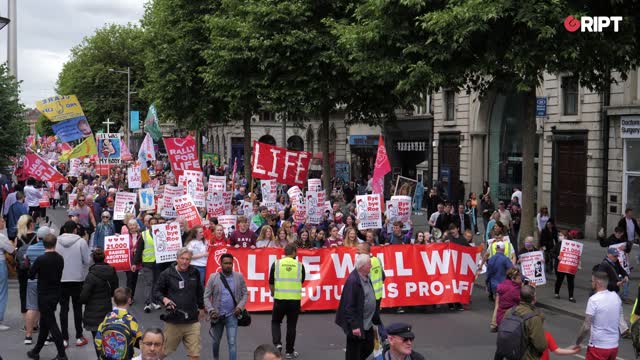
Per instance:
{"type": "Point", "coordinates": [108, 123]}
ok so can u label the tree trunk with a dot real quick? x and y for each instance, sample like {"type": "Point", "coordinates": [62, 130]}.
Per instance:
{"type": "Point", "coordinates": [284, 131]}
{"type": "Point", "coordinates": [246, 127]}
{"type": "Point", "coordinates": [528, 166]}
{"type": "Point", "coordinates": [326, 167]}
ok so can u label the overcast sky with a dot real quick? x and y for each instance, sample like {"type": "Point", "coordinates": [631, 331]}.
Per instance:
{"type": "Point", "coordinates": [47, 30]}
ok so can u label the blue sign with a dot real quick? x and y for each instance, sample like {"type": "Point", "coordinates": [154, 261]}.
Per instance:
{"type": "Point", "coordinates": [134, 119]}
{"type": "Point", "coordinates": [541, 106]}
{"type": "Point", "coordinates": [364, 140]}
{"type": "Point", "coordinates": [72, 129]}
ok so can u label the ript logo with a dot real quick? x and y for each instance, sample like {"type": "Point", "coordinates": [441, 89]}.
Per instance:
{"type": "Point", "coordinates": [592, 23]}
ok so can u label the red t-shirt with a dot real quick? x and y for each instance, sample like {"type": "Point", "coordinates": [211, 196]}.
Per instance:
{"type": "Point", "coordinates": [551, 345]}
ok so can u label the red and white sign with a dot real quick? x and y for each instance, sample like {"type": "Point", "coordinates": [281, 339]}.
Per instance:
{"type": "Point", "coordinates": [532, 265]}
{"type": "Point", "coordinates": [314, 185]}
{"type": "Point", "coordinates": [193, 186]}
{"type": "Point", "coordinates": [228, 223]}
{"type": "Point", "coordinates": [182, 154]}
{"type": "Point", "coordinates": [167, 241]}
{"type": "Point", "coordinates": [134, 178]}
{"type": "Point", "coordinates": [125, 204]}
{"type": "Point", "coordinates": [415, 275]}
{"type": "Point", "coordinates": [269, 190]}
{"type": "Point", "coordinates": [117, 252]}
{"type": "Point", "coordinates": [570, 254]}
{"type": "Point", "coordinates": [74, 167]}
{"type": "Point", "coordinates": [315, 206]}
{"type": "Point", "coordinates": [218, 183]}
{"type": "Point", "coordinates": [216, 205]}
{"type": "Point", "coordinates": [35, 166]}
{"type": "Point", "coordinates": [170, 192]}
{"type": "Point", "coordinates": [186, 209]}
{"type": "Point", "coordinates": [285, 166]}
{"type": "Point", "coordinates": [623, 257]}
{"type": "Point", "coordinates": [368, 211]}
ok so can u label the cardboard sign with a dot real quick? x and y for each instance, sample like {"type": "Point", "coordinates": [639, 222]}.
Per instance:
{"type": "Point", "coordinates": [147, 199]}
{"type": "Point", "coordinates": [134, 178]}
{"type": "Point", "coordinates": [35, 166]}
{"type": "Point", "coordinates": [117, 252]}
{"type": "Point", "coordinates": [286, 166]}
{"type": "Point", "coordinates": [570, 254]}
{"type": "Point", "coordinates": [218, 183]}
{"type": "Point", "coordinates": [186, 209]}
{"type": "Point", "coordinates": [269, 191]}
{"type": "Point", "coordinates": [170, 192]}
{"type": "Point", "coordinates": [315, 206]}
{"type": "Point", "coordinates": [314, 185]}
{"type": "Point", "coordinates": [368, 211]}
{"type": "Point", "coordinates": [415, 274]}
{"type": "Point", "coordinates": [193, 186]}
{"type": "Point", "coordinates": [167, 240]}
{"type": "Point", "coordinates": [182, 154]}
{"type": "Point", "coordinates": [108, 148]}
{"type": "Point", "coordinates": [623, 257]}
{"type": "Point", "coordinates": [74, 167]}
{"type": "Point", "coordinates": [532, 265]}
{"type": "Point", "coordinates": [228, 222]}
{"type": "Point", "coordinates": [125, 204]}
{"type": "Point", "coordinates": [216, 205]}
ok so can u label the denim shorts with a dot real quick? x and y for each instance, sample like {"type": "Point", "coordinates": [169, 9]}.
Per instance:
{"type": "Point", "coordinates": [32, 295]}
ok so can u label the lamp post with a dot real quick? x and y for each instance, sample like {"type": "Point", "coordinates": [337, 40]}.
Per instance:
{"type": "Point", "coordinates": [128, 124]}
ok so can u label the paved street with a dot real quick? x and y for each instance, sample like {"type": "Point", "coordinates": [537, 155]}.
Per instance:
{"type": "Point", "coordinates": [440, 335]}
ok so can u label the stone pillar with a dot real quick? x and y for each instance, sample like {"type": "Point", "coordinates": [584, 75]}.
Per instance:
{"type": "Point", "coordinates": [477, 173]}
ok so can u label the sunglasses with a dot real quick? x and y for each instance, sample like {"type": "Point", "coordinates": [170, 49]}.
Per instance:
{"type": "Point", "coordinates": [408, 339]}
{"type": "Point", "coordinates": [105, 217]}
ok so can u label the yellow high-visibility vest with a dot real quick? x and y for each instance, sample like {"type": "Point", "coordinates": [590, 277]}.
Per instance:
{"type": "Point", "coordinates": [149, 252]}
{"type": "Point", "coordinates": [376, 277]}
{"type": "Point", "coordinates": [507, 248]}
{"type": "Point", "coordinates": [287, 279]}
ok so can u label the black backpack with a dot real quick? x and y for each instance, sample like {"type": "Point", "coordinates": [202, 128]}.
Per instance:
{"type": "Point", "coordinates": [512, 340]}
{"type": "Point", "coordinates": [635, 337]}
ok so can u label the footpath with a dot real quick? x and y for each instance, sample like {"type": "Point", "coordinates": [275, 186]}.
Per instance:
{"type": "Point", "coordinates": [592, 255]}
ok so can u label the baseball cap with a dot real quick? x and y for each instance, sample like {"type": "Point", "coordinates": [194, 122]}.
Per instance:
{"type": "Point", "coordinates": [400, 329]}
{"type": "Point", "coordinates": [612, 251]}
{"type": "Point", "coordinates": [109, 199]}
{"type": "Point", "coordinates": [43, 231]}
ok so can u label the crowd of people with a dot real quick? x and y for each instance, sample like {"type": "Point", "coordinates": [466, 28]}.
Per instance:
{"type": "Point", "coordinates": [65, 264]}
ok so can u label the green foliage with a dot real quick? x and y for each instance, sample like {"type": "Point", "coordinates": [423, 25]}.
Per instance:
{"type": "Point", "coordinates": [103, 94]}
{"type": "Point", "coordinates": [176, 37]}
{"type": "Point", "coordinates": [13, 129]}
{"type": "Point", "coordinates": [44, 126]}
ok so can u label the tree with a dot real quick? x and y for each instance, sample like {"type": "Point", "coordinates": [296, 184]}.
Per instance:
{"type": "Point", "coordinates": [103, 94]}
{"type": "Point", "coordinates": [495, 45]}
{"type": "Point", "coordinates": [12, 126]}
{"type": "Point", "coordinates": [303, 69]}
{"type": "Point", "coordinates": [44, 127]}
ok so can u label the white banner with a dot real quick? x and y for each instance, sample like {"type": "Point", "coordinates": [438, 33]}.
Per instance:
{"type": "Point", "coordinates": [146, 197]}
{"type": "Point", "coordinates": [125, 204]}
{"type": "Point", "coordinates": [193, 186]}
{"type": "Point", "coordinates": [532, 265]}
{"type": "Point", "coordinates": [134, 178]}
{"type": "Point", "coordinates": [167, 241]}
{"type": "Point", "coordinates": [368, 211]}
{"type": "Point", "coordinates": [228, 222]}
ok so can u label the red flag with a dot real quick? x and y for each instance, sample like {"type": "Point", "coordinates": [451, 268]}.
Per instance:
{"type": "Point", "coordinates": [35, 166]}
{"type": "Point", "coordinates": [381, 169]}
{"type": "Point", "coordinates": [286, 166]}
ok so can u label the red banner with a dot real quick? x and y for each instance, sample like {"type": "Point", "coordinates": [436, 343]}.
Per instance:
{"type": "Point", "coordinates": [570, 254]}
{"type": "Point", "coordinates": [35, 166]}
{"type": "Point", "coordinates": [285, 166]}
{"type": "Point", "coordinates": [183, 154]}
{"type": "Point", "coordinates": [117, 252]}
{"type": "Point", "coordinates": [415, 274]}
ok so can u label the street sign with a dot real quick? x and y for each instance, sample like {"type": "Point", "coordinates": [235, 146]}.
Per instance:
{"type": "Point", "coordinates": [541, 106]}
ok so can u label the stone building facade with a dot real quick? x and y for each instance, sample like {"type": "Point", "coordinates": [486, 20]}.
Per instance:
{"type": "Point", "coordinates": [588, 172]}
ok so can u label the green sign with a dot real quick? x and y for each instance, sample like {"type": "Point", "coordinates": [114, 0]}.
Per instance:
{"type": "Point", "coordinates": [211, 157]}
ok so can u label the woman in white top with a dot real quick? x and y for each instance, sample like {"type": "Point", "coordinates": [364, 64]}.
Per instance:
{"type": "Point", "coordinates": [542, 218]}
{"type": "Point", "coordinates": [266, 238]}
{"type": "Point", "coordinates": [198, 246]}
{"type": "Point", "coordinates": [5, 247]}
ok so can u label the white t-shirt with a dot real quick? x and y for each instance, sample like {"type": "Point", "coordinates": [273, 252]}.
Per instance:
{"type": "Point", "coordinates": [32, 196]}
{"type": "Point", "coordinates": [434, 217]}
{"type": "Point", "coordinates": [605, 307]}
{"type": "Point", "coordinates": [198, 247]}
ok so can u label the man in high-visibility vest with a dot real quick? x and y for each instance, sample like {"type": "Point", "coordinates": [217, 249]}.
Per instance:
{"type": "Point", "coordinates": [285, 281]}
{"type": "Point", "coordinates": [145, 253]}
{"type": "Point", "coordinates": [376, 274]}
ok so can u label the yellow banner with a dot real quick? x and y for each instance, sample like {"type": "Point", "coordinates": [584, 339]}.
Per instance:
{"type": "Point", "coordinates": [86, 148]}
{"type": "Point", "coordinates": [60, 107]}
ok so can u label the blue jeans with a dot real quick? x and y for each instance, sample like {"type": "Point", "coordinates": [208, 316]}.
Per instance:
{"type": "Point", "coordinates": [202, 270]}
{"type": "Point", "coordinates": [4, 288]}
{"type": "Point", "coordinates": [625, 290]}
{"type": "Point", "coordinates": [231, 324]}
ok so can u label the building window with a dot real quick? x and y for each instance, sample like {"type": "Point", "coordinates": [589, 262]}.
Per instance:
{"type": "Point", "coordinates": [267, 116]}
{"type": "Point", "coordinates": [449, 105]}
{"type": "Point", "coordinates": [632, 174]}
{"type": "Point", "coordinates": [570, 95]}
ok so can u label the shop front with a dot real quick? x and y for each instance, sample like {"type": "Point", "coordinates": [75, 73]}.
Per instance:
{"type": "Point", "coordinates": [363, 155]}
{"type": "Point", "coordinates": [630, 134]}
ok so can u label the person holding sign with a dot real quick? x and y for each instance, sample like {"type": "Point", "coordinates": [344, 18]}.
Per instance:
{"type": "Point", "coordinates": [145, 253]}
{"type": "Point", "coordinates": [561, 275]}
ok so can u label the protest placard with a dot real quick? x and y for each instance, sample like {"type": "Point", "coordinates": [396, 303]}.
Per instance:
{"type": "Point", "coordinates": [170, 192]}
{"type": "Point", "coordinates": [167, 241]}
{"type": "Point", "coordinates": [37, 167]}
{"type": "Point", "coordinates": [269, 190]}
{"type": "Point", "coordinates": [216, 203]}
{"type": "Point", "coordinates": [147, 199]}
{"type": "Point", "coordinates": [193, 186]}
{"type": "Point", "coordinates": [315, 206]}
{"type": "Point", "coordinates": [134, 178]}
{"type": "Point", "coordinates": [60, 107]}
{"type": "Point", "coordinates": [570, 254]}
{"type": "Point", "coordinates": [368, 211]}
{"type": "Point", "coordinates": [218, 183]}
{"type": "Point", "coordinates": [72, 129]}
{"type": "Point", "coordinates": [108, 148]}
{"type": "Point", "coordinates": [532, 265]}
{"type": "Point", "coordinates": [186, 209]}
{"type": "Point", "coordinates": [314, 185]}
{"type": "Point", "coordinates": [125, 204]}
{"type": "Point", "coordinates": [228, 223]}
{"type": "Point", "coordinates": [117, 252]}
{"type": "Point", "coordinates": [273, 162]}
{"type": "Point", "coordinates": [182, 154]}
{"type": "Point", "coordinates": [623, 257]}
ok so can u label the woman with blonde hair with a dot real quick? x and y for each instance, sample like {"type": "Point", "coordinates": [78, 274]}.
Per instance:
{"type": "Point", "coordinates": [351, 238]}
{"type": "Point", "coordinates": [281, 239]}
{"type": "Point", "coordinates": [198, 245]}
{"type": "Point", "coordinates": [291, 235]}
{"type": "Point", "coordinates": [266, 238]}
{"type": "Point", "coordinates": [26, 236]}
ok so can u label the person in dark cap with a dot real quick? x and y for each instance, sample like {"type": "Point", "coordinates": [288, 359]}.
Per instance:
{"type": "Point", "coordinates": [400, 347]}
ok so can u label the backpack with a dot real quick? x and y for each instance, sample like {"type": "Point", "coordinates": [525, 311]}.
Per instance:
{"type": "Point", "coordinates": [635, 337]}
{"type": "Point", "coordinates": [22, 260]}
{"type": "Point", "coordinates": [116, 339]}
{"type": "Point", "coordinates": [512, 340]}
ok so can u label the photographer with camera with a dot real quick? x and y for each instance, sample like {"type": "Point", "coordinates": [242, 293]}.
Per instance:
{"type": "Point", "coordinates": [180, 289]}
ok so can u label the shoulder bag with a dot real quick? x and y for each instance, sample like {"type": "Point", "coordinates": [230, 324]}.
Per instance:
{"type": "Point", "coordinates": [244, 319]}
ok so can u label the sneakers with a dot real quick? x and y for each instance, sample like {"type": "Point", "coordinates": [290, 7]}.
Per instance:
{"type": "Point", "coordinates": [65, 343]}
{"type": "Point", "coordinates": [28, 340]}
{"type": "Point", "coordinates": [572, 300]}
{"type": "Point", "coordinates": [155, 306]}
{"type": "Point", "coordinates": [557, 296]}
{"type": "Point", "coordinates": [81, 341]}
{"type": "Point", "coordinates": [3, 327]}
{"type": "Point", "coordinates": [49, 341]}
{"type": "Point", "coordinates": [279, 347]}
{"type": "Point", "coordinates": [32, 355]}
{"type": "Point", "coordinates": [293, 355]}
{"type": "Point", "coordinates": [147, 309]}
